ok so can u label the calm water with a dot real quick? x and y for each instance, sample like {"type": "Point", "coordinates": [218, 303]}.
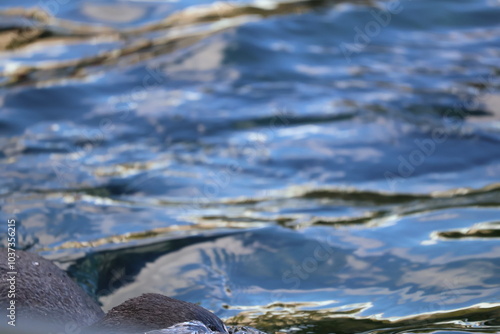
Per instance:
{"type": "Point", "coordinates": [316, 167]}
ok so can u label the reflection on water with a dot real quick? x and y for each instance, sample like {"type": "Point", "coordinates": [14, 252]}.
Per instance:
{"type": "Point", "coordinates": [309, 166]}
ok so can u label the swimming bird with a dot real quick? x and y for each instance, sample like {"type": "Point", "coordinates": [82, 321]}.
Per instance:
{"type": "Point", "coordinates": [37, 291]}
{"type": "Point", "coordinates": [153, 311]}
{"type": "Point", "coordinates": [44, 295]}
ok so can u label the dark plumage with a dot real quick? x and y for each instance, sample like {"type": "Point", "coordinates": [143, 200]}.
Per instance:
{"type": "Point", "coordinates": [45, 294]}
{"type": "Point", "coordinates": [47, 297]}
{"type": "Point", "coordinates": [153, 311]}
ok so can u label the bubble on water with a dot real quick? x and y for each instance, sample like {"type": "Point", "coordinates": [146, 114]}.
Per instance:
{"type": "Point", "coordinates": [35, 263]}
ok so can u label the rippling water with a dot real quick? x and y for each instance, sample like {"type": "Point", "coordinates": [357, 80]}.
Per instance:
{"type": "Point", "coordinates": [311, 167]}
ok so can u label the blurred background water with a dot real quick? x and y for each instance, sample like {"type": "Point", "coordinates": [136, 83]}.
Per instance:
{"type": "Point", "coordinates": [306, 166]}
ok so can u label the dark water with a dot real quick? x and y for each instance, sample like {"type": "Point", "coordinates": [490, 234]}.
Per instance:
{"type": "Point", "coordinates": [310, 167]}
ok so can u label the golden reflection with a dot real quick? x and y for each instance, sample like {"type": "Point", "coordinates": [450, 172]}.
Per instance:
{"type": "Point", "coordinates": [326, 321]}
{"type": "Point", "coordinates": [115, 13]}
{"type": "Point", "coordinates": [179, 29]}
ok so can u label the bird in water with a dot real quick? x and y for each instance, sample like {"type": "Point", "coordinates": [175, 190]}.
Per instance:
{"type": "Point", "coordinates": [46, 297]}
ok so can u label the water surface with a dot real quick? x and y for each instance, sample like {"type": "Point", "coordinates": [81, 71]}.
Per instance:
{"type": "Point", "coordinates": [311, 167]}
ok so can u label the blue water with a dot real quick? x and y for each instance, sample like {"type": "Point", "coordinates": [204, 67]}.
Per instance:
{"type": "Point", "coordinates": [324, 167]}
